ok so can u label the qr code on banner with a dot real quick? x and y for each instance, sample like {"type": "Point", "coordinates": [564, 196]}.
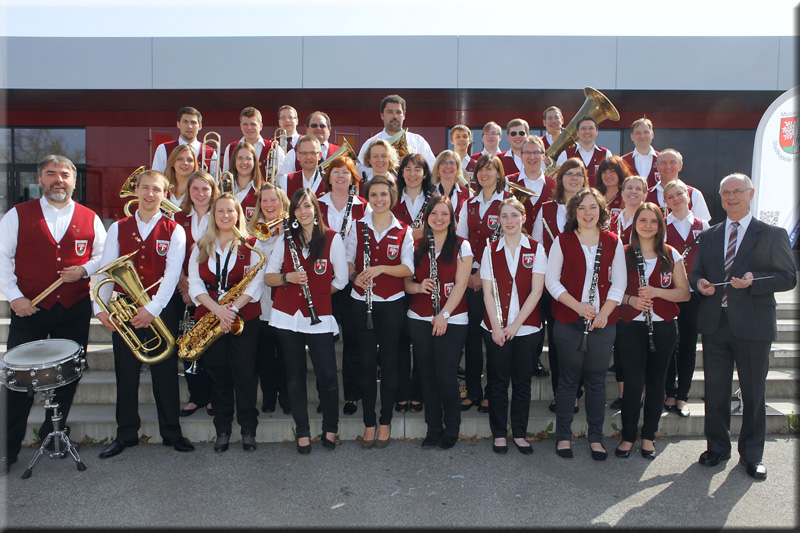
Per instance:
{"type": "Point", "coordinates": [770, 217]}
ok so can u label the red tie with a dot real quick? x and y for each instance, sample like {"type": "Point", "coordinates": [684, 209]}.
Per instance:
{"type": "Point", "coordinates": [730, 254]}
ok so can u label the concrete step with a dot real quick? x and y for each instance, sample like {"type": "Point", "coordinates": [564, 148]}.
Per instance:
{"type": "Point", "coordinates": [95, 423]}
{"type": "Point", "coordinates": [97, 331]}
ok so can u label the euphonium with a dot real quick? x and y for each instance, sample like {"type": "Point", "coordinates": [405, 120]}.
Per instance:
{"type": "Point", "coordinates": [520, 193]}
{"type": "Point", "coordinates": [596, 106]}
{"type": "Point", "coordinates": [121, 309]}
{"type": "Point", "coordinates": [225, 182]}
{"type": "Point", "coordinates": [345, 149]}
{"type": "Point", "coordinates": [399, 143]}
{"type": "Point", "coordinates": [212, 140]}
{"type": "Point", "coordinates": [128, 190]}
{"type": "Point", "coordinates": [207, 330]}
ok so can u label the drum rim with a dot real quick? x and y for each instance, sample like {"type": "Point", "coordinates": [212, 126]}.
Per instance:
{"type": "Point", "coordinates": [12, 366]}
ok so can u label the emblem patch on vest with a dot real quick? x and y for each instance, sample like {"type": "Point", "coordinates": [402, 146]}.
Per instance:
{"type": "Point", "coordinates": [615, 211]}
{"type": "Point", "coordinates": [666, 279]}
{"type": "Point", "coordinates": [527, 260]}
{"type": "Point", "coordinates": [392, 251]}
{"type": "Point", "coordinates": [81, 246]}
{"type": "Point", "coordinates": [249, 211]}
{"type": "Point", "coordinates": [492, 221]}
{"type": "Point", "coordinates": [448, 288]}
{"type": "Point", "coordinates": [162, 247]}
{"type": "Point", "coordinates": [320, 266]}
{"type": "Point", "coordinates": [609, 273]}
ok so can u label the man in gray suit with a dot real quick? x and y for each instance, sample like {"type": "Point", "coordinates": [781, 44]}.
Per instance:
{"type": "Point", "coordinates": [738, 319]}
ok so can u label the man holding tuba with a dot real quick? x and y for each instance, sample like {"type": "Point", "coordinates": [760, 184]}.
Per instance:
{"type": "Point", "coordinates": [48, 246]}
{"type": "Point", "coordinates": [393, 113]}
{"type": "Point", "coordinates": [157, 245]}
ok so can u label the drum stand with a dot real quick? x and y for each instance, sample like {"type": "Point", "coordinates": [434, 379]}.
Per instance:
{"type": "Point", "coordinates": [58, 436]}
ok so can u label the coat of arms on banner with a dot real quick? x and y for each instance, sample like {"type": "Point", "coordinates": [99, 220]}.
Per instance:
{"type": "Point", "coordinates": [492, 221]}
{"type": "Point", "coordinates": [392, 251]}
{"type": "Point", "coordinates": [320, 266]}
{"type": "Point", "coordinates": [448, 288]}
{"type": "Point", "coordinates": [249, 211]}
{"type": "Point", "coordinates": [80, 247]}
{"type": "Point", "coordinates": [162, 247]}
{"type": "Point", "coordinates": [666, 279]}
{"type": "Point", "coordinates": [788, 135]}
{"type": "Point", "coordinates": [527, 260]}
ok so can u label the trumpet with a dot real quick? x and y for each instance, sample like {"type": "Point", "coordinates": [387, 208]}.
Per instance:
{"type": "Point", "coordinates": [121, 309]}
{"type": "Point", "coordinates": [265, 230]}
{"type": "Point", "coordinates": [128, 190]}
{"type": "Point", "coordinates": [212, 140]}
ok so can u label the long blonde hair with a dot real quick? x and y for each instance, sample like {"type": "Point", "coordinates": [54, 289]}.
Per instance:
{"type": "Point", "coordinates": [202, 175]}
{"type": "Point", "coordinates": [205, 246]}
{"type": "Point", "coordinates": [258, 216]}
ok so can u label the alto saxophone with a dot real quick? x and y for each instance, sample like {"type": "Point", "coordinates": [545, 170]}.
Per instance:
{"type": "Point", "coordinates": [207, 330]}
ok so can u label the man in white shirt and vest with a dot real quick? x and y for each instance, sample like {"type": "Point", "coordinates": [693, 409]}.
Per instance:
{"type": "Point", "coordinates": [189, 124]}
{"type": "Point", "coordinates": [641, 160]}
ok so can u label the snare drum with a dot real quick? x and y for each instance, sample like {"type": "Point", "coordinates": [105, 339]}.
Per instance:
{"type": "Point", "coordinates": [42, 365]}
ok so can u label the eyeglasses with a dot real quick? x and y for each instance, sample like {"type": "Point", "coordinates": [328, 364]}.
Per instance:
{"type": "Point", "coordinates": [734, 192]}
{"type": "Point", "coordinates": [450, 163]}
{"type": "Point", "coordinates": [244, 158]}
{"type": "Point", "coordinates": [573, 174]}
{"type": "Point", "coordinates": [534, 152]}
{"type": "Point", "coordinates": [308, 153]}
{"type": "Point", "coordinates": [515, 133]}
{"type": "Point", "coordinates": [314, 125]}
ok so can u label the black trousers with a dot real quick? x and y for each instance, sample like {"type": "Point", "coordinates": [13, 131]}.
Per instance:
{"type": "Point", "coordinates": [437, 360]}
{"type": "Point", "coordinates": [199, 384]}
{"type": "Point", "coordinates": [342, 305]}
{"type": "Point", "coordinates": [58, 322]}
{"type": "Point", "coordinates": [409, 384]}
{"type": "Point", "coordinates": [682, 363]}
{"type": "Point", "coordinates": [270, 365]}
{"type": "Point", "coordinates": [473, 350]}
{"type": "Point", "coordinates": [721, 350]}
{"type": "Point", "coordinates": [231, 365]}
{"type": "Point", "coordinates": [386, 318]}
{"type": "Point", "coordinates": [644, 372]}
{"type": "Point", "coordinates": [165, 384]}
{"type": "Point", "coordinates": [592, 366]}
{"type": "Point", "coordinates": [545, 306]}
{"type": "Point", "coordinates": [512, 363]}
{"type": "Point", "coordinates": [323, 357]}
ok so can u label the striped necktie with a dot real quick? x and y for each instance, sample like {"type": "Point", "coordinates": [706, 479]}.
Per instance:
{"type": "Point", "coordinates": [730, 254]}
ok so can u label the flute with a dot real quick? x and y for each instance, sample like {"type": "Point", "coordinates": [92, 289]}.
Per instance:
{"type": "Point", "coordinates": [648, 315]}
{"type": "Point", "coordinates": [584, 346]}
{"type": "Point", "coordinates": [434, 272]}
{"type": "Point", "coordinates": [299, 268]}
{"type": "Point", "coordinates": [368, 290]}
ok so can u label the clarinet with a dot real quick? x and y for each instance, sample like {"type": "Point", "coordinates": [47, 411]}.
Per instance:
{"type": "Point", "coordinates": [347, 210]}
{"type": "Point", "coordinates": [299, 268]}
{"type": "Point", "coordinates": [495, 291]}
{"type": "Point", "coordinates": [648, 315]}
{"type": "Point", "coordinates": [584, 347]}
{"type": "Point", "coordinates": [434, 273]}
{"type": "Point", "coordinates": [367, 291]}
{"type": "Point", "coordinates": [689, 248]}
{"type": "Point", "coordinates": [418, 219]}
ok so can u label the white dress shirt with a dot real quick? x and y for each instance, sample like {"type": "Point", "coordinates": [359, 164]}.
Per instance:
{"type": "Point", "coordinates": [336, 217]}
{"type": "Point", "coordinates": [643, 163]}
{"type": "Point", "coordinates": [266, 295]}
{"type": "Point", "coordinates": [172, 273]}
{"type": "Point", "coordinates": [416, 143]}
{"type": "Point", "coordinates": [699, 206]}
{"type": "Point", "coordinates": [536, 186]}
{"type": "Point", "coordinates": [619, 275]}
{"type": "Point", "coordinates": [585, 156]}
{"type": "Point", "coordinates": [259, 146]}
{"type": "Point", "coordinates": [406, 252]}
{"type": "Point", "coordinates": [197, 285]}
{"type": "Point", "coordinates": [512, 258]}
{"type": "Point", "coordinates": [57, 221]}
{"type": "Point", "coordinates": [413, 205]}
{"type": "Point", "coordinates": [160, 157]}
{"type": "Point", "coordinates": [744, 223]}
{"type": "Point", "coordinates": [460, 319]}
{"type": "Point", "coordinates": [649, 266]}
{"type": "Point", "coordinates": [297, 322]}
{"type": "Point", "coordinates": [538, 225]}
{"type": "Point", "coordinates": [313, 183]}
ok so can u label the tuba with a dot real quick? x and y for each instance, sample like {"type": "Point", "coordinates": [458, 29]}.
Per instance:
{"type": "Point", "coordinates": [399, 143]}
{"type": "Point", "coordinates": [211, 140]}
{"type": "Point", "coordinates": [520, 193]}
{"type": "Point", "coordinates": [345, 149]}
{"type": "Point", "coordinates": [206, 331]}
{"type": "Point", "coordinates": [129, 191]}
{"type": "Point", "coordinates": [278, 143]}
{"type": "Point", "coordinates": [596, 106]}
{"type": "Point", "coordinates": [121, 309]}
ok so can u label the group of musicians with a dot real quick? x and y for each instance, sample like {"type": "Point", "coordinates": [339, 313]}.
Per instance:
{"type": "Point", "coordinates": [393, 249]}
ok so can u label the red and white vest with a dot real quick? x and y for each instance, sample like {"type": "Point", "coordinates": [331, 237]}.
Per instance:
{"type": "Point", "coordinates": [675, 240]}
{"type": "Point", "coordinates": [386, 252]}
{"type": "Point", "coordinates": [652, 177]}
{"type": "Point", "coordinates": [505, 283]}
{"type": "Point", "coordinates": [422, 304]}
{"type": "Point", "coordinates": [482, 227]}
{"type": "Point", "coordinates": [235, 275]}
{"type": "Point", "coordinates": [289, 298]}
{"type": "Point", "coordinates": [665, 309]}
{"type": "Point", "coordinates": [531, 208]}
{"type": "Point", "coordinates": [151, 257]}
{"type": "Point", "coordinates": [294, 182]}
{"type": "Point", "coordinates": [598, 156]}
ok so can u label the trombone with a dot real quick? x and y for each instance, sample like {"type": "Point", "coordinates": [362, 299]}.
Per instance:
{"type": "Point", "coordinates": [278, 143]}
{"type": "Point", "coordinates": [211, 140]}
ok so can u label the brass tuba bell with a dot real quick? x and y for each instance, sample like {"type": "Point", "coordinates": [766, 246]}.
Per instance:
{"type": "Point", "coordinates": [597, 106]}
{"type": "Point", "coordinates": [121, 309]}
{"type": "Point", "coordinates": [520, 193]}
{"type": "Point", "coordinates": [345, 149]}
{"type": "Point", "coordinates": [128, 190]}
{"type": "Point", "coordinates": [399, 143]}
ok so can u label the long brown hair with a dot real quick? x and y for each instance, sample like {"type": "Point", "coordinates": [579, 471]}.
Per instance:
{"type": "Point", "coordinates": [255, 176]}
{"type": "Point", "coordinates": [316, 246]}
{"type": "Point", "coordinates": [492, 161]}
{"type": "Point", "coordinates": [173, 157]}
{"type": "Point", "coordinates": [659, 244]}
{"type": "Point", "coordinates": [202, 175]}
{"type": "Point", "coordinates": [450, 242]}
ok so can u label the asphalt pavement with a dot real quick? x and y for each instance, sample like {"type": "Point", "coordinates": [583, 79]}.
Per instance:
{"type": "Point", "coordinates": [403, 486]}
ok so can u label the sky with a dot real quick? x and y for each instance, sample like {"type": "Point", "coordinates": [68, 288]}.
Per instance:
{"type": "Point", "coordinates": [151, 18]}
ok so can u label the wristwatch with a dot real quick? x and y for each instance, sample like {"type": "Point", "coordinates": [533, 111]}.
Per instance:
{"type": "Point", "coordinates": [446, 315]}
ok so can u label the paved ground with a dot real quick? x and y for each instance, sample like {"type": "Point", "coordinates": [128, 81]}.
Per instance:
{"type": "Point", "coordinates": [467, 487]}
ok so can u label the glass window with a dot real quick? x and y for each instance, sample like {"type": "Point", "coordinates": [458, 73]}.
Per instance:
{"type": "Point", "coordinates": [31, 145]}
{"type": "Point", "coordinates": [5, 146]}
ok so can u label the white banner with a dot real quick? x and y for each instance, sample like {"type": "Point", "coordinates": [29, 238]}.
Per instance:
{"type": "Point", "coordinates": [775, 157]}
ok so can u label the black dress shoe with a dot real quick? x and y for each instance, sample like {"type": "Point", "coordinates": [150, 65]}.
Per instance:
{"type": "Point", "coordinates": [524, 450]}
{"type": "Point", "coordinates": [188, 412]}
{"type": "Point", "coordinates": [709, 458]}
{"type": "Point", "coordinates": [330, 444]}
{"type": "Point", "coordinates": [684, 411]}
{"type": "Point", "coordinates": [268, 408]}
{"type": "Point", "coordinates": [599, 455]}
{"type": "Point", "coordinates": [117, 447]}
{"type": "Point", "coordinates": [467, 406]}
{"type": "Point", "coordinates": [181, 444]}
{"type": "Point", "coordinates": [415, 407]}
{"type": "Point", "coordinates": [286, 406]}
{"type": "Point", "coordinates": [350, 408]}
{"type": "Point", "coordinates": [616, 404]}
{"type": "Point", "coordinates": [755, 470]}
{"type": "Point", "coordinates": [304, 450]}
{"type": "Point", "coordinates": [619, 452]}
{"type": "Point", "coordinates": [447, 442]}
{"type": "Point", "coordinates": [249, 443]}
{"type": "Point", "coordinates": [552, 406]}
{"type": "Point", "coordinates": [222, 442]}
{"type": "Point", "coordinates": [401, 407]}
{"type": "Point", "coordinates": [540, 371]}
{"type": "Point", "coordinates": [668, 407]}
{"type": "Point", "coordinates": [210, 412]}
{"type": "Point", "coordinates": [483, 408]}
{"type": "Point", "coordinates": [566, 453]}
{"type": "Point", "coordinates": [431, 440]}
{"type": "Point", "coordinates": [500, 449]}
{"type": "Point", "coordinates": [649, 454]}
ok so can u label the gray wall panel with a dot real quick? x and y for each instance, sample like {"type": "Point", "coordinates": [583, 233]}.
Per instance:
{"type": "Point", "coordinates": [228, 62]}
{"type": "Point", "coordinates": [3, 65]}
{"type": "Point", "coordinates": [379, 62]}
{"type": "Point", "coordinates": [787, 61]}
{"type": "Point", "coordinates": [698, 63]}
{"type": "Point", "coordinates": [78, 63]}
{"type": "Point", "coordinates": [523, 62]}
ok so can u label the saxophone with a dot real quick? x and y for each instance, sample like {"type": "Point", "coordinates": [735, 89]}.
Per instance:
{"type": "Point", "coordinates": [207, 330]}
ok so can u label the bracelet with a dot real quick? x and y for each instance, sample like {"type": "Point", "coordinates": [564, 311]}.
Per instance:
{"type": "Point", "coordinates": [283, 279]}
